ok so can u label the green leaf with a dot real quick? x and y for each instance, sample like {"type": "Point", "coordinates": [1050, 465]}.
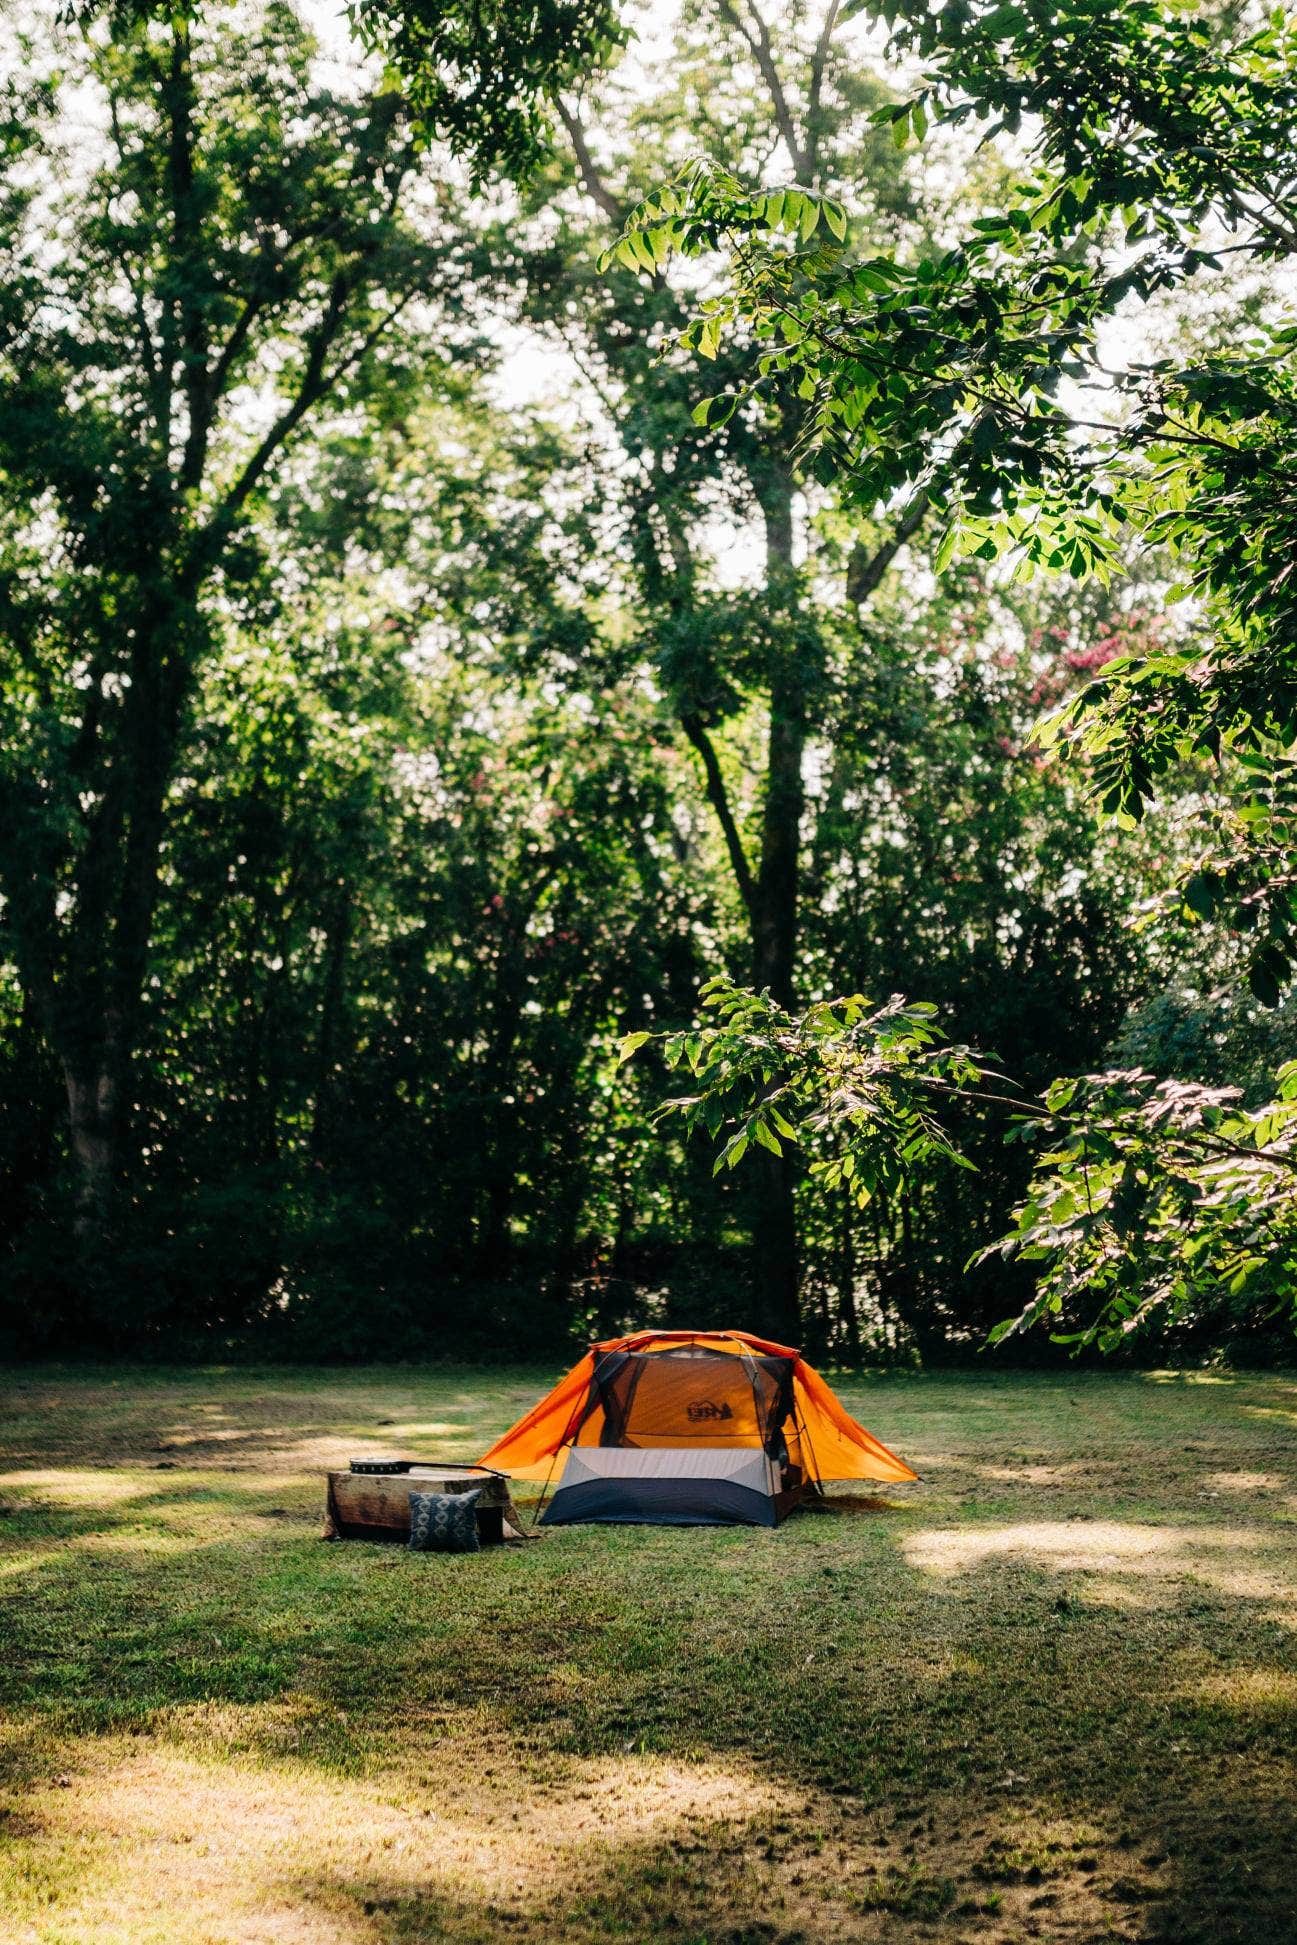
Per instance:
{"type": "Point", "coordinates": [642, 253]}
{"type": "Point", "coordinates": [836, 218]}
{"type": "Point", "coordinates": [1264, 984]}
{"type": "Point", "coordinates": [716, 411]}
{"type": "Point", "coordinates": [1199, 896]}
{"type": "Point", "coordinates": [631, 1044]}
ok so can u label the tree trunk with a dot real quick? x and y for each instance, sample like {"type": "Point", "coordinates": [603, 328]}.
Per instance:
{"type": "Point", "coordinates": [774, 917]}
{"type": "Point", "coordinates": [111, 934]}
{"type": "Point", "coordinates": [93, 1126]}
{"type": "Point", "coordinates": [332, 1010]}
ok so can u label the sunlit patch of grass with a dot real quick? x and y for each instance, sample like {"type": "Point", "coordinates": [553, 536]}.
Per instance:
{"type": "Point", "coordinates": [32, 1561]}
{"type": "Point", "coordinates": [1252, 1691]}
{"type": "Point", "coordinates": [1190, 1377]}
{"type": "Point", "coordinates": [1247, 1482]}
{"type": "Point", "coordinates": [1228, 1560]}
{"type": "Point", "coordinates": [171, 1847]}
{"type": "Point", "coordinates": [1288, 1413]}
{"type": "Point", "coordinates": [431, 1428]}
{"type": "Point", "coordinates": [68, 1486]}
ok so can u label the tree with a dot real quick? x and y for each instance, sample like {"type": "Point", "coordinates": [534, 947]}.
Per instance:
{"type": "Point", "coordinates": [937, 377]}
{"type": "Point", "coordinates": [1160, 153]}
{"type": "Point", "coordinates": [407, 890]}
{"type": "Point", "coordinates": [731, 661]}
{"type": "Point", "coordinates": [946, 859]}
{"type": "Point", "coordinates": [238, 233]}
{"type": "Point", "coordinates": [371, 757]}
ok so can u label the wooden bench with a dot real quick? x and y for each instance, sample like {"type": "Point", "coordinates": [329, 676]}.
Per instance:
{"type": "Point", "coordinates": [376, 1505]}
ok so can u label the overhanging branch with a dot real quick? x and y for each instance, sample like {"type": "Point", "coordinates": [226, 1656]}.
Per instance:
{"type": "Point", "coordinates": [692, 725]}
{"type": "Point", "coordinates": [865, 572]}
{"type": "Point", "coordinates": [596, 188]}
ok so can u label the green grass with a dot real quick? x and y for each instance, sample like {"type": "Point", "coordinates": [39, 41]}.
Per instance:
{"type": "Point", "coordinates": [1048, 1693]}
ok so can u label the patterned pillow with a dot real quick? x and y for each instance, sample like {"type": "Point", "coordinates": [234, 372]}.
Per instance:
{"type": "Point", "coordinates": [444, 1522]}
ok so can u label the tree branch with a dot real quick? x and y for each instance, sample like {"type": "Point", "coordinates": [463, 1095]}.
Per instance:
{"type": "Point", "coordinates": [692, 725]}
{"type": "Point", "coordinates": [179, 98]}
{"type": "Point", "coordinates": [308, 392]}
{"type": "Point", "coordinates": [815, 92]}
{"type": "Point", "coordinates": [316, 384]}
{"type": "Point", "coordinates": [153, 373]}
{"type": "Point", "coordinates": [596, 188]}
{"type": "Point", "coordinates": [864, 575]}
{"type": "Point", "coordinates": [758, 43]}
{"type": "Point", "coordinates": [234, 343]}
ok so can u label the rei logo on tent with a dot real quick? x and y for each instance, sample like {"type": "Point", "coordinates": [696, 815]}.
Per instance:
{"type": "Point", "coordinates": [703, 1409]}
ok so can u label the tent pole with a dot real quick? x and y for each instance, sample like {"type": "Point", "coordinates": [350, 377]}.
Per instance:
{"type": "Point", "coordinates": [567, 1433]}
{"type": "Point", "coordinates": [800, 1423]}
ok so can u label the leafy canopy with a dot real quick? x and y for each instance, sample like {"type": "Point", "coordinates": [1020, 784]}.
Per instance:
{"type": "Point", "coordinates": [1159, 153]}
{"type": "Point", "coordinates": [1151, 150]}
{"type": "Point", "coordinates": [1156, 1196]}
{"type": "Point", "coordinates": [482, 75]}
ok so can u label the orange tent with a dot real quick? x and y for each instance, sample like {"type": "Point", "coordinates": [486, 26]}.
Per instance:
{"type": "Point", "coordinates": [678, 1392]}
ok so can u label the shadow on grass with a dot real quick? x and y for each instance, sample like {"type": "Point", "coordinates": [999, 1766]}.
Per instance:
{"type": "Point", "coordinates": [930, 1687]}
{"type": "Point", "coordinates": [849, 1505]}
{"type": "Point", "coordinates": [636, 1849]}
{"type": "Point", "coordinates": [747, 1892]}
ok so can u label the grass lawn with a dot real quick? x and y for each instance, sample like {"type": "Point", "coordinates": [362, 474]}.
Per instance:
{"type": "Point", "coordinates": [1048, 1693]}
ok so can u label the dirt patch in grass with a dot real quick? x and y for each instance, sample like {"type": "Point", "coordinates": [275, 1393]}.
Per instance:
{"type": "Point", "coordinates": [1047, 1694]}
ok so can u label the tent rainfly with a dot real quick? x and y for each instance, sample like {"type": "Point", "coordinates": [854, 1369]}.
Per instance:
{"type": "Point", "coordinates": [685, 1428]}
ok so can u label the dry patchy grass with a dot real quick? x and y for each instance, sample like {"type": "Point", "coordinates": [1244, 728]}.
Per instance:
{"type": "Point", "coordinates": [1046, 1694]}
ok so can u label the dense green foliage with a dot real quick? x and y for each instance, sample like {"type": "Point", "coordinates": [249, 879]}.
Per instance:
{"type": "Point", "coordinates": [484, 75]}
{"type": "Point", "coordinates": [382, 739]}
{"type": "Point", "coordinates": [979, 381]}
{"type": "Point", "coordinates": [981, 378]}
